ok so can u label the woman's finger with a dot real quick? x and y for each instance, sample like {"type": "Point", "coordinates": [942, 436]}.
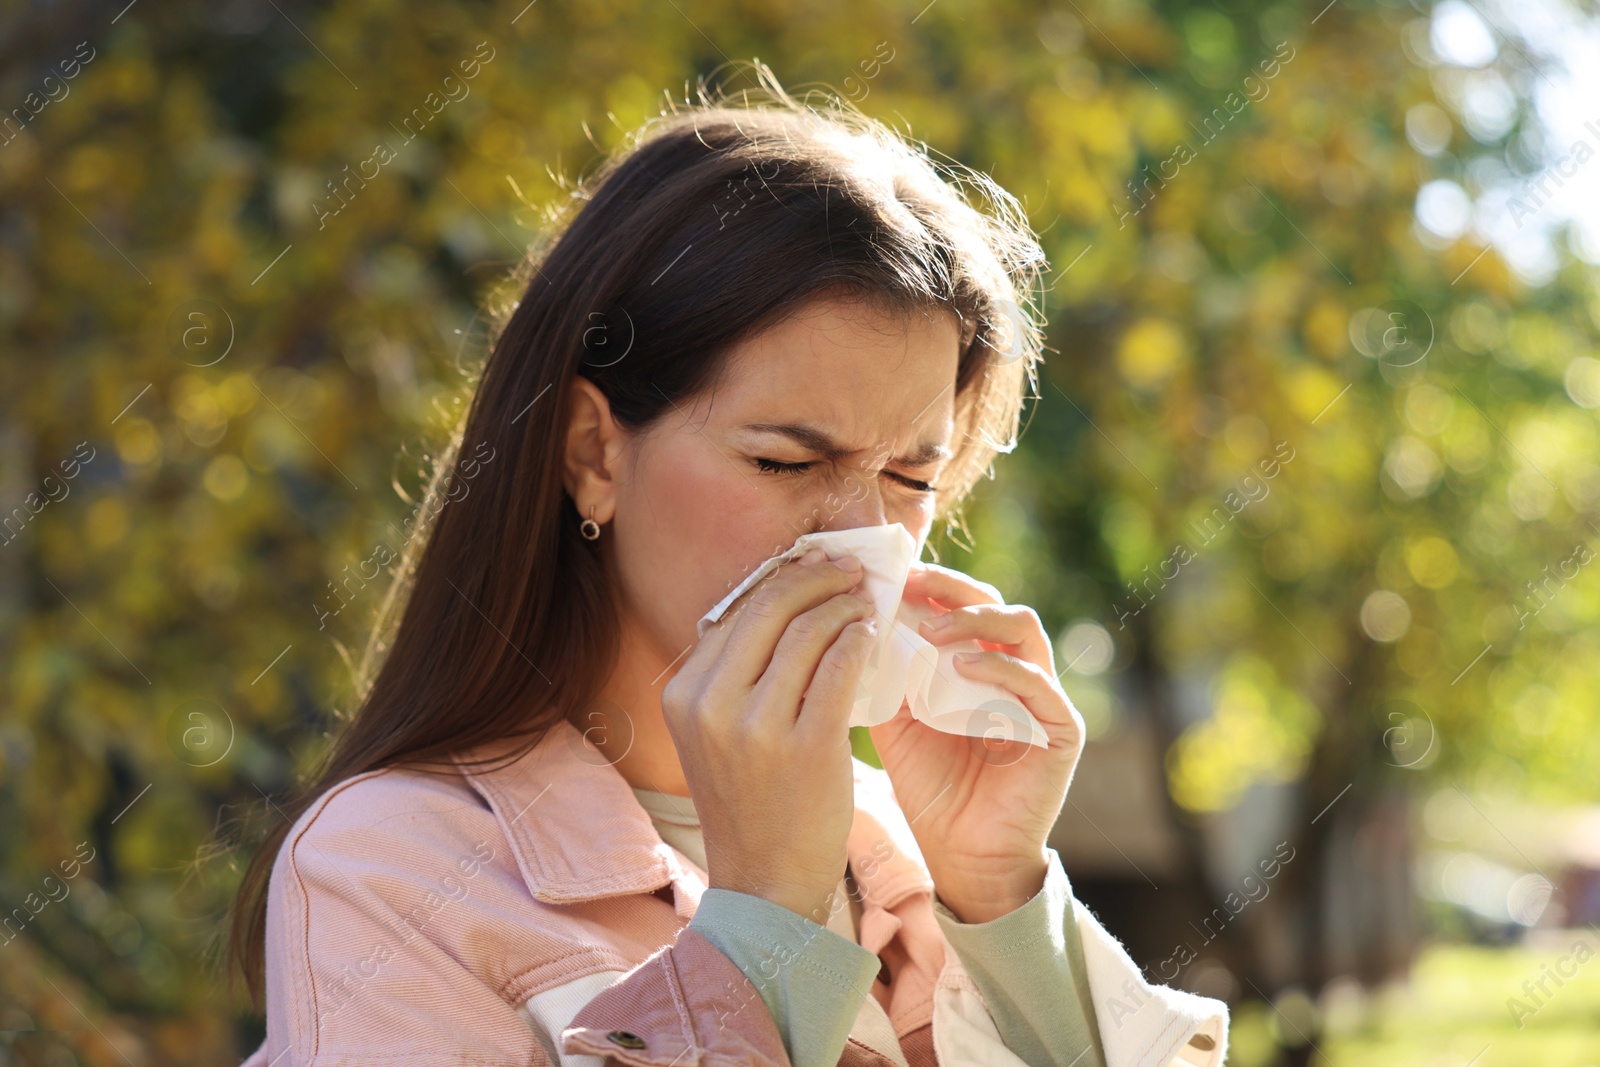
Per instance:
{"type": "Point", "coordinates": [801, 649]}
{"type": "Point", "coordinates": [1013, 625]}
{"type": "Point", "coordinates": [949, 587]}
{"type": "Point", "coordinates": [1033, 686]}
{"type": "Point", "coordinates": [709, 647]}
{"type": "Point", "coordinates": [825, 712]}
{"type": "Point", "coordinates": [766, 610]}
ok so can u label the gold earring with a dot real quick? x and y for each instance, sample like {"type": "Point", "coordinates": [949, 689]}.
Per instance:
{"type": "Point", "coordinates": [589, 528]}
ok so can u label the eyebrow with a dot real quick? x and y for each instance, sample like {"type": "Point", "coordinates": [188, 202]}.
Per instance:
{"type": "Point", "coordinates": [817, 441]}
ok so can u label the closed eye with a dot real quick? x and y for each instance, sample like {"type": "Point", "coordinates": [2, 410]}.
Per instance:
{"type": "Point", "coordinates": [773, 466]}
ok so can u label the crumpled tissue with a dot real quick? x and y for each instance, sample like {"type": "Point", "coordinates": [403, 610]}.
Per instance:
{"type": "Point", "coordinates": [904, 668]}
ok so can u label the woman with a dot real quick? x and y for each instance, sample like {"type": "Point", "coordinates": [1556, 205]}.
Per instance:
{"type": "Point", "coordinates": [563, 829]}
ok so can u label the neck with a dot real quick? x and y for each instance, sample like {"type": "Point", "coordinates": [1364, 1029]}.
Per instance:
{"type": "Point", "coordinates": [625, 723]}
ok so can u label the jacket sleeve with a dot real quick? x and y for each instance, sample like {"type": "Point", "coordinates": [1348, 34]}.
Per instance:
{"type": "Point", "coordinates": [687, 1004]}
{"type": "Point", "coordinates": [1029, 967]}
{"type": "Point", "coordinates": [1143, 1024]}
{"type": "Point", "coordinates": [358, 974]}
{"type": "Point", "coordinates": [1057, 984]}
{"type": "Point", "coordinates": [812, 981]}
{"type": "Point", "coordinates": [355, 975]}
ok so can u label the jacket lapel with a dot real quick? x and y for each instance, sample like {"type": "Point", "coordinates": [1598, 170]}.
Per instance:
{"type": "Point", "coordinates": [576, 829]}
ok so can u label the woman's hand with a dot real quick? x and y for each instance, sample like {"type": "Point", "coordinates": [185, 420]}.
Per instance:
{"type": "Point", "coordinates": [981, 808]}
{"type": "Point", "coordinates": [759, 713]}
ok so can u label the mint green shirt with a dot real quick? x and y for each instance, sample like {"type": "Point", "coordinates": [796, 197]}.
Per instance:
{"type": "Point", "coordinates": [1027, 964]}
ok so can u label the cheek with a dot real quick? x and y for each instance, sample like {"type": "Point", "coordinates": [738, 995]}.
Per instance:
{"type": "Point", "coordinates": [689, 526]}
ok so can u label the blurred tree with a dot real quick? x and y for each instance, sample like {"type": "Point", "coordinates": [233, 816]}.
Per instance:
{"type": "Point", "coordinates": [1343, 471]}
{"type": "Point", "coordinates": [236, 349]}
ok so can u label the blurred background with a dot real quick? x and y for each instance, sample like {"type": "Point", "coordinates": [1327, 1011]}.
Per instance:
{"type": "Point", "coordinates": [1308, 491]}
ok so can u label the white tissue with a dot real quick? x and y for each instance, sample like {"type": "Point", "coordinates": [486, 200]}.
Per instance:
{"type": "Point", "coordinates": [905, 668]}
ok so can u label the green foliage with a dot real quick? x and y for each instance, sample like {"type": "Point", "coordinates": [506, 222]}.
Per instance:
{"type": "Point", "coordinates": [254, 371]}
{"type": "Point", "coordinates": [1465, 1001]}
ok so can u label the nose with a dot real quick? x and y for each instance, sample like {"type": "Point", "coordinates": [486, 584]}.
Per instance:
{"type": "Point", "coordinates": [862, 508]}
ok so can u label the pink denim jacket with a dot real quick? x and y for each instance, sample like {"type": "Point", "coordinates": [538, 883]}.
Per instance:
{"type": "Point", "coordinates": [532, 916]}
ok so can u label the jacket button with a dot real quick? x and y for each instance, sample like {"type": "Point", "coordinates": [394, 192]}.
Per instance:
{"type": "Point", "coordinates": [625, 1039]}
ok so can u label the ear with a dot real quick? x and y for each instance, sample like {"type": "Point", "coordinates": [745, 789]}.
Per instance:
{"type": "Point", "coordinates": [594, 447]}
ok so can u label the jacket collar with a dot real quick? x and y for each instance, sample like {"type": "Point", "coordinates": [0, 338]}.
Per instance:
{"type": "Point", "coordinates": [576, 829]}
{"type": "Point", "coordinates": [578, 832]}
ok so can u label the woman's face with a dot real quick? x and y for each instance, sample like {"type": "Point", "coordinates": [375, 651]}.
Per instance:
{"type": "Point", "coordinates": [837, 418]}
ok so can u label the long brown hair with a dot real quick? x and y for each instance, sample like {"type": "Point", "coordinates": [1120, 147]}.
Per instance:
{"type": "Point", "coordinates": [710, 223]}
